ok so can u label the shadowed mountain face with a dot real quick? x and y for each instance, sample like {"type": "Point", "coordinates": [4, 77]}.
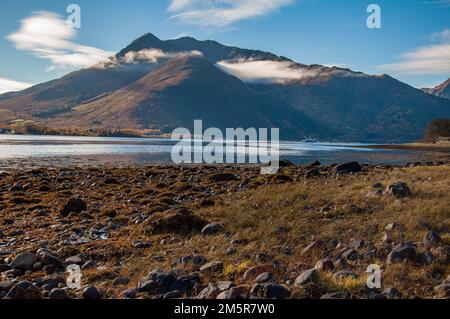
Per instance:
{"type": "Point", "coordinates": [176, 88]}
{"type": "Point", "coordinates": [442, 90]}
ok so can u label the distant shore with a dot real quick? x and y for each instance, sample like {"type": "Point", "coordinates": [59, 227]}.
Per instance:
{"type": "Point", "coordinates": [419, 146]}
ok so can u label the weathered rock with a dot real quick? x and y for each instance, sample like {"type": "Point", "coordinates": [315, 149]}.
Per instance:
{"type": "Point", "coordinates": [212, 267]}
{"type": "Point", "coordinates": [310, 276]}
{"type": "Point", "coordinates": [73, 205]}
{"type": "Point", "coordinates": [212, 229]}
{"type": "Point", "coordinates": [351, 167]}
{"type": "Point", "coordinates": [255, 271]}
{"type": "Point", "coordinates": [24, 261]}
{"type": "Point", "coordinates": [398, 190]}
{"type": "Point", "coordinates": [402, 252]}
{"type": "Point", "coordinates": [91, 293]}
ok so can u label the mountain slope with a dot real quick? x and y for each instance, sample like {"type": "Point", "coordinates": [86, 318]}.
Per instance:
{"type": "Point", "coordinates": [186, 89]}
{"type": "Point", "coordinates": [442, 90]}
{"type": "Point", "coordinates": [364, 108]}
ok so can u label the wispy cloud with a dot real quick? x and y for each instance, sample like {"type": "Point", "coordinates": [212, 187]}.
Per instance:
{"type": "Point", "coordinates": [7, 85]}
{"type": "Point", "coordinates": [278, 71]}
{"type": "Point", "coordinates": [222, 13]}
{"type": "Point", "coordinates": [47, 36]}
{"type": "Point", "coordinates": [145, 56]}
{"type": "Point", "coordinates": [432, 59]}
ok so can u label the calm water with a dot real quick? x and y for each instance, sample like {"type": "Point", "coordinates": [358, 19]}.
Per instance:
{"type": "Point", "coordinates": [28, 150]}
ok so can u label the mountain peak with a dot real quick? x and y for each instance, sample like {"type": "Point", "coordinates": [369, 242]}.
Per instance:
{"type": "Point", "coordinates": [442, 90]}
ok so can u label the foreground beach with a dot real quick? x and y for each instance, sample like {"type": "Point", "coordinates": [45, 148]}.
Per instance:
{"type": "Point", "coordinates": [226, 232]}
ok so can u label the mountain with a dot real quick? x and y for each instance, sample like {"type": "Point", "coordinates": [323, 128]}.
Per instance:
{"type": "Point", "coordinates": [185, 89]}
{"type": "Point", "coordinates": [364, 108]}
{"type": "Point", "coordinates": [156, 84]}
{"type": "Point", "coordinates": [442, 90]}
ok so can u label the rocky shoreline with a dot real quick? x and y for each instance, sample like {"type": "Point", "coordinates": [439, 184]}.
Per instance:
{"type": "Point", "coordinates": [226, 232]}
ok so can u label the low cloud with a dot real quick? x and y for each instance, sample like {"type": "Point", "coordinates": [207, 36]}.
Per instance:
{"type": "Point", "coordinates": [7, 85]}
{"type": "Point", "coordinates": [222, 13]}
{"type": "Point", "coordinates": [47, 36]}
{"type": "Point", "coordinates": [145, 56]}
{"type": "Point", "coordinates": [280, 72]}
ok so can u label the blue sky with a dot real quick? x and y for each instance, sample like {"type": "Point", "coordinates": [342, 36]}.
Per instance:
{"type": "Point", "coordinates": [413, 44]}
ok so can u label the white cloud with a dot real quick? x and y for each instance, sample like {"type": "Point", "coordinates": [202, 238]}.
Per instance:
{"type": "Point", "coordinates": [278, 71]}
{"type": "Point", "coordinates": [432, 59]}
{"type": "Point", "coordinates": [145, 56]}
{"type": "Point", "coordinates": [46, 35]}
{"type": "Point", "coordinates": [7, 85]}
{"type": "Point", "coordinates": [222, 13]}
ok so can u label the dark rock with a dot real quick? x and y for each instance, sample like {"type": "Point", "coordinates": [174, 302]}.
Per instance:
{"type": "Point", "coordinates": [73, 205]}
{"type": "Point", "coordinates": [119, 281]}
{"type": "Point", "coordinates": [274, 291]}
{"type": "Point", "coordinates": [402, 252]}
{"type": "Point", "coordinates": [432, 238]}
{"type": "Point", "coordinates": [49, 269]}
{"type": "Point", "coordinates": [91, 293]}
{"type": "Point", "coordinates": [212, 229]}
{"type": "Point", "coordinates": [58, 293]}
{"type": "Point", "coordinates": [310, 276]}
{"type": "Point", "coordinates": [24, 261]}
{"type": "Point", "coordinates": [351, 167]}
{"type": "Point", "coordinates": [351, 254]}
{"type": "Point", "coordinates": [425, 258]}
{"type": "Point", "coordinates": [130, 293]}
{"type": "Point", "coordinates": [89, 265]}
{"type": "Point", "coordinates": [398, 190]}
